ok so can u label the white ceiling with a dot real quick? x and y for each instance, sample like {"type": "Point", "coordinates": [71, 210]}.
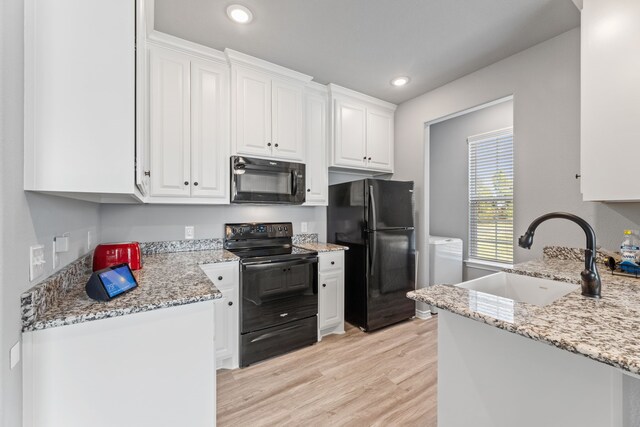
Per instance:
{"type": "Point", "coordinates": [363, 44]}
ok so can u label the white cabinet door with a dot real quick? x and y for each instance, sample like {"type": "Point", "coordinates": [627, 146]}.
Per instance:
{"type": "Point", "coordinates": [330, 299]}
{"type": "Point", "coordinates": [225, 276]}
{"type": "Point", "coordinates": [209, 130]}
{"type": "Point", "coordinates": [350, 144]}
{"type": "Point", "coordinates": [610, 100]}
{"type": "Point", "coordinates": [79, 92]}
{"type": "Point", "coordinates": [287, 120]}
{"type": "Point", "coordinates": [379, 139]}
{"type": "Point", "coordinates": [252, 113]}
{"type": "Point", "coordinates": [169, 123]}
{"type": "Point", "coordinates": [223, 314]}
{"type": "Point", "coordinates": [316, 140]}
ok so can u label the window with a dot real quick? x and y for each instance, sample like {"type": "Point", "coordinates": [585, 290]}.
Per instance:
{"type": "Point", "coordinates": [491, 196]}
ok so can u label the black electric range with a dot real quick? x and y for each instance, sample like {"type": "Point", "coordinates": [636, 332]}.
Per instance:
{"type": "Point", "coordinates": [278, 290]}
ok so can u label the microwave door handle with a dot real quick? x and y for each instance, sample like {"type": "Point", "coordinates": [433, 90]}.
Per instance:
{"type": "Point", "coordinates": [294, 183]}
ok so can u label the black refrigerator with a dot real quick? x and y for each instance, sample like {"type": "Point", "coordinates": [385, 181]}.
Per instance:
{"type": "Point", "coordinates": [374, 218]}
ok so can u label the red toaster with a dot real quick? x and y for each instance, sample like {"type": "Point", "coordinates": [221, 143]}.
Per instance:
{"type": "Point", "coordinates": [108, 254]}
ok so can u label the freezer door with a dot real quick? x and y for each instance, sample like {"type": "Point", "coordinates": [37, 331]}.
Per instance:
{"type": "Point", "coordinates": [390, 275]}
{"type": "Point", "coordinates": [389, 204]}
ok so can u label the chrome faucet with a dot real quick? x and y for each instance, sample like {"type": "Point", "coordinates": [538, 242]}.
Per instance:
{"type": "Point", "coordinates": [590, 277]}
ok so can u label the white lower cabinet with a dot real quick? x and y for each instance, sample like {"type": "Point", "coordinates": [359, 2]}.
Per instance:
{"type": "Point", "coordinates": [330, 293]}
{"type": "Point", "coordinates": [155, 368]}
{"type": "Point", "coordinates": [226, 278]}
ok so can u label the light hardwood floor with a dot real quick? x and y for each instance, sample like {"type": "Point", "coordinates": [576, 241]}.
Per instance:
{"type": "Point", "coordinates": [383, 378]}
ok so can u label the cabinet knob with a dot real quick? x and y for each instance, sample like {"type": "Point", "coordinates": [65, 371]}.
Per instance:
{"type": "Point", "coordinates": [333, 263]}
{"type": "Point", "coordinates": [364, 158]}
{"type": "Point", "coordinates": [219, 277]}
{"type": "Point", "coordinates": [276, 145]}
{"type": "Point", "coordinates": [308, 190]}
{"type": "Point", "coordinates": [268, 144]}
{"type": "Point", "coordinates": [324, 285]}
{"type": "Point", "coordinates": [186, 183]}
{"type": "Point", "coordinates": [230, 302]}
{"type": "Point", "coordinates": [195, 183]}
{"type": "Point", "coordinates": [369, 158]}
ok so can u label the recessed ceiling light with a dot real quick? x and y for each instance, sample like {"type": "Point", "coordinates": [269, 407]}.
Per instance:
{"type": "Point", "coordinates": [240, 14]}
{"type": "Point", "coordinates": [400, 81]}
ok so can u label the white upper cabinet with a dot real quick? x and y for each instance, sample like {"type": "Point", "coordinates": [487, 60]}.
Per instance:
{"type": "Point", "coordinates": [252, 113]}
{"type": "Point", "coordinates": [316, 134]}
{"type": "Point", "coordinates": [170, 119]}
{"type": "Point", "coordinates": [287, 120]}
{"type": "Point", "coordinates": [380, 139]}
{"type": "Point", "coordinates": [209, 130]}
{"type": "Point", "coordinates": [189, 126]}
{"type": "Point", "coordinates": [267, 115]}
{"type": "Point", "coordinates": [610, 98]}
{"type": "Point", "coordinates": [80, 99]}
{"type": "Point", "coordinates": [350, 139]}
{"type": "Point", "coordinates": [362, 136]}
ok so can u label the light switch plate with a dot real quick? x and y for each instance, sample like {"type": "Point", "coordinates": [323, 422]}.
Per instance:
{"type": "Point", "coordinates": [36, 262]}
{"type": "Point", "coordinates": [14, 355]}
{"type": "Point", "coordinates": [189, 232]}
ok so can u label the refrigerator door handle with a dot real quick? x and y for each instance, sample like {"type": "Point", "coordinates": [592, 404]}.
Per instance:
{"type": "Point", "coordinates": [372, 253]}
{"type": "Point", "coordinates": [372, 207]}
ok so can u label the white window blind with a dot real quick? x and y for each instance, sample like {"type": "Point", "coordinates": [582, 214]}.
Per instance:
{"type": "Point", "coordinates": [491, 196]}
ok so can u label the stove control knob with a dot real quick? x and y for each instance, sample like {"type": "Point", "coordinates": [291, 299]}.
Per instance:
{"type": "Point", "coordinates": [279, 228]}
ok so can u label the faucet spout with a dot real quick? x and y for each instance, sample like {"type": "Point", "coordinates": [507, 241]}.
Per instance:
{"type": "Point", "coordinates": [591, 284]}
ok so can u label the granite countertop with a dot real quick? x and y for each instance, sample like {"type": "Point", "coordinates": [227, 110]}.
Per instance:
{"type": "Point", "coordinates": [322, 247]}
{"type": "Point", "coordinates": [166, 280]}
{"type": "Point", "coordinates": [605, 329]}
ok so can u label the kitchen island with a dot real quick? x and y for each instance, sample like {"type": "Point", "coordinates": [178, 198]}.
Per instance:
{"type": "Point", "coordinates": [146, 358]}
{"type": "Point", "coordinates": [572, 362]}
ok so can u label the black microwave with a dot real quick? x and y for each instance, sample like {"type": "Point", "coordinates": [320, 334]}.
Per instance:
{"type": "Point", "coordinates": [267, 181]}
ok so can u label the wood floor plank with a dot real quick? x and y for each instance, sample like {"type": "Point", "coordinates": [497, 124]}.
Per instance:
{"type": "Point", "coordinates": [382, 378]}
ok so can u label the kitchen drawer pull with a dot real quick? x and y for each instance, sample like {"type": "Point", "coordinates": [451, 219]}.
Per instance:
{"type": "Point", "coordinates": [268, 144]}
{"type": "Point", "coordinates": [333, 263]}
{"type": "Point", "coordinates": [195, 183]}
{"type": "Point", "coordinates": [230, 302]}
{"type": "Point", "coordinates": [219, 277]}
{"type": "Point", "coordinates": [276, 145]}
{"type": "Point", "coordinates": [186, 183]}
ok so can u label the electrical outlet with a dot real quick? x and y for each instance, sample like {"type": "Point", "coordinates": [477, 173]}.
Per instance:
{"type": "Point", "coordinates": [14, 355]}
{"type": "Point", "coordinates": [303, 227]}
{"type": "Point", "coordinates": [61, 243]}
{"type": "Point", "coordinates": [89, 240]}
{"type": "Point", "coordinates": [189, 232]}
{"type": "Point", "coordinates": [36, 262]}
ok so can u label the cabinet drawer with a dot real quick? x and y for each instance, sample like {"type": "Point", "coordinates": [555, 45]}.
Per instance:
{"type": "Point", "coordinates": [224, 275]}
{"type": "Point", "coordinates": [331, 261]}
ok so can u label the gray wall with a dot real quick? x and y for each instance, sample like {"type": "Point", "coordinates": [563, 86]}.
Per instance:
{"type": "Point", "coordinates": [166, 222]}
{"type": "Point", "coordinates": [545, 83]}
{"type": "Point", "coordinates": [27, 219]}
{"type": "Point", "coordinates": [449, 171]}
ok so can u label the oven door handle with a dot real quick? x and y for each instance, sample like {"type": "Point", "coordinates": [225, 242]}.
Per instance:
{"type": "Point", "coordinates": [272, 264]}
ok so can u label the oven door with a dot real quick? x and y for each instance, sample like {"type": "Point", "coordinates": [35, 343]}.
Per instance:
{"type": "Point", "coordinates": [266, 181]}
{"type": "Point", "coordinates": [274, 293]}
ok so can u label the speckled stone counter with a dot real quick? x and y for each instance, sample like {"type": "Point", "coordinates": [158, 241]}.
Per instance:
{"type": "Point", "coordinates": [606, 329]}
{"type": "Point", "coordinates": [166, 280]}
{"type": "Point", "coordinates": [322, 247]}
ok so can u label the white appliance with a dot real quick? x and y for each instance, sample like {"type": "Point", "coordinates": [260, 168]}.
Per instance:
{"type": "Point", "coordinates": [445, 260]}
